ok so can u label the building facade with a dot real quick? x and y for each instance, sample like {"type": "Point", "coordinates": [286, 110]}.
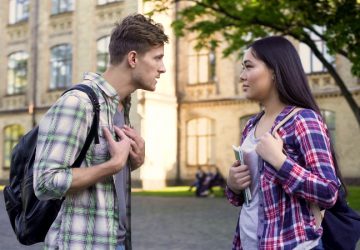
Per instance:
{"type": "Point", "coordinates": [213, 109]}
{"type": "Point", "coordinates": [191, 120]}
{"type": "Point", "coordinates": [46, 47]}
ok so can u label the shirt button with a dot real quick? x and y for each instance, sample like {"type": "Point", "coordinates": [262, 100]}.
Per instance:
{"type": "Point", "coordinates": [260, 204]}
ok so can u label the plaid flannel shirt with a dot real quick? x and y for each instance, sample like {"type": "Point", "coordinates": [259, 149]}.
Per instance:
{"type": "Point", "coordinates": [307, 175]}
{"type": "Point", "coordinates": [88, 219]}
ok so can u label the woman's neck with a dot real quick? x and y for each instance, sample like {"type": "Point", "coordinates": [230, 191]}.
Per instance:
{"type": "Point", "coordinates": [273, 108]}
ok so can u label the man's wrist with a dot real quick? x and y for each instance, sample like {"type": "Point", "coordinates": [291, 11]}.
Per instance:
{"type": "Point", "coordinates": [110, 167]}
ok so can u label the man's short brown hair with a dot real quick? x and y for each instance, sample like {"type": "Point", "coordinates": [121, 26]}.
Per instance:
{"type": "Point", "coordinates": [135, 32]}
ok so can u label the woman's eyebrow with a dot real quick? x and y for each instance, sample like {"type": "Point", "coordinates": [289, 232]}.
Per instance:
{"type": "Point", "coordinates": [246, 61]}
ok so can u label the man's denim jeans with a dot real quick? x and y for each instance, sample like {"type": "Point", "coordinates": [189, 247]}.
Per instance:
{"type": "Point", "coordinates": [120, 247]}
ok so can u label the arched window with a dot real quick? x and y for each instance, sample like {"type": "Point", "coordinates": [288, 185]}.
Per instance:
{"type": "Point", "coordinates": [12, 134]}
{"type": "Point", "coordinates": [17, 73]}
{"type": "Point", "coordinates": [102, 54]}
{"type": "Point", "coordinates": [61, 66]}
{"type": "Point", "coordinates": [200, 142]}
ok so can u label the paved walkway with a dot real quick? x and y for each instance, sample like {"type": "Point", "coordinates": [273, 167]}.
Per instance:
{"type": "Point", "coordinates": [164, 224]}
{"type": "Point", "coordinates": [183, 223]}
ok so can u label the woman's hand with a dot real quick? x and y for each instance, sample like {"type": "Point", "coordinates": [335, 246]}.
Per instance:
{"type": "Point", "coordinates": [269, 148]}
{"type": "Point", "coordinates": [239, 177]}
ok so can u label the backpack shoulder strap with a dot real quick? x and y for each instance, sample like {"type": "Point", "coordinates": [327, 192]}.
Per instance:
{"type": "Point", "coordinates": [283, 121]}
{"type": "Point", "coordinates": [93, 134]}
{"type": "Point", "coordinates": [315, 209]}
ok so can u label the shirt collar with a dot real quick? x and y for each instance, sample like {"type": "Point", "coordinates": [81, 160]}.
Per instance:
{"type": "Point", "coordinates": [279, 118]}
{"type": "Point", "coordinates": [102, 84]}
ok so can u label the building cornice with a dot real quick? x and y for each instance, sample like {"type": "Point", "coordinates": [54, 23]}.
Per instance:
{"type": "Point", "coordinates": [23, 110]}
{"type": "Point", "coordinates": [242, 100]}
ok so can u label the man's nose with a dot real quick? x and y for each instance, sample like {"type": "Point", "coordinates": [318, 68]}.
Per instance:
{"type": "Point", "coordinates": [162, 68]}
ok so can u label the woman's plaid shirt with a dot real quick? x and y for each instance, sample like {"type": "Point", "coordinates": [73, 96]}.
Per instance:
{"type": "Point", "coordinates": [308, 175]}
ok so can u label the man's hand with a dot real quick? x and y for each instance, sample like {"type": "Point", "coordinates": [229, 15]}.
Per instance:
{"type": "Point", "coordinates": [137, 150]}
{"type": "Point", "coordinates": [119, 150]}
{"type": "Point", "coordinates": [239, 177]}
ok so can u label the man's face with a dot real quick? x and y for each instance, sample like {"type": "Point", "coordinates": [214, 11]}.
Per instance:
{"type": "Point", "coordinates": [148, 68]}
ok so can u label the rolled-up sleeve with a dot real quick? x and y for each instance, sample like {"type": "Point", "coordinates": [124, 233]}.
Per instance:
{"type": "Point", "coordinates": [62, 133]}
{"type": "Point", "coordinates": [235, 199]}
{"type": "Point", "coordinates": [316, 181]}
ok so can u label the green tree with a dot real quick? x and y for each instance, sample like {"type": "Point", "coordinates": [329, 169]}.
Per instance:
{"type": "Point", "coordinates": [240, 22]}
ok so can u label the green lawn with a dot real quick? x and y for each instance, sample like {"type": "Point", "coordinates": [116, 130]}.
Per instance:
{"type": "Point", "coordinates": [354, 197]}
{"type": "Point", "coordinates": [179, 191]}
{"type": "Point", "coordinates": [183, 191]}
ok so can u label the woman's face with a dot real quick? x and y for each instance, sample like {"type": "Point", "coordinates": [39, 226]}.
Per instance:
{"type": "Point", "coordinates": [257, 78]}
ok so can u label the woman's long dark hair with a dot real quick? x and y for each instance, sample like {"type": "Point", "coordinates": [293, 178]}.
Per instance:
{"type": "Point", "coordinates": [291, 81]}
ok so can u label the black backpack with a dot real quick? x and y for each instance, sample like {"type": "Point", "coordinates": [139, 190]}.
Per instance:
{"type": "Point", "coordinates": [341, 225]}
{"type": "Point", "coordinates": [31, 218]}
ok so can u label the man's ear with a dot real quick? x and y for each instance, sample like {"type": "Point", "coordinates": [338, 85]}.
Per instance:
{"type": "Point", "coordinates": [132, 59]}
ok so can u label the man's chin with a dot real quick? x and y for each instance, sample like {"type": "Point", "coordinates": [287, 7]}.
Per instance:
{"type": "Point", "coordinates": [150, 88]}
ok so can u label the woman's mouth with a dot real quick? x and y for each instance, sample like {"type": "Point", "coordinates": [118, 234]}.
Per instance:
{"type": "Point", "coordinates": [245, 87]}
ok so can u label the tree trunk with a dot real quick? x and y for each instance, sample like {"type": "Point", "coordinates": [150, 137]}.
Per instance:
{"type": "Point", "coordinates": [343, 88]}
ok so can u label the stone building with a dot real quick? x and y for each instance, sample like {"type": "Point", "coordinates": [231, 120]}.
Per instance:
{"type": "Point", "coordinates": [193, 117]}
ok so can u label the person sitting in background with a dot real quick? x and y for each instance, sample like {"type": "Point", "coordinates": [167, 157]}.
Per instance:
{"type": "Point", "coordinates": [199, 179]}
{"type": "Point", "coordinates": [217, 180]}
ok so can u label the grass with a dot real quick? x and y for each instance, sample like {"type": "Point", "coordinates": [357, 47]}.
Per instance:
{"type": "Point", "coordinates": [354, 197]}
{"type": "Point", "coordinates": [179, 191]}
{"type": "Point", "coordinates": [183, 191]}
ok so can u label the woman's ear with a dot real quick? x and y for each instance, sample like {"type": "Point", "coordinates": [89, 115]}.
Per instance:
{"type": "Point", "coordinates": [132, 59]}
{"type": "Point", "coordinates": [272, 75]}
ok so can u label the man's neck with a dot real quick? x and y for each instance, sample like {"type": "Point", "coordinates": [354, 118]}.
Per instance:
{"type": "Point", "coordinates": [119, 78]}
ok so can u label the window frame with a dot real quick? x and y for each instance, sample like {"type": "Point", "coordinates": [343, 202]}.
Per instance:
{"type": "Point", "coordinates": [13, 73]}
{"type": "Point", "coordinates": [16, 14]}
{"type": "Point", "coordinates": [58, 9]}
{"type": "Point", "coordinates": [199, 55]}
{"type": "Point", "coordinates": [105, 2]}
{"type": "Point", "coordinates": [67, 63]}
{"type": "Point", "coordinates": [11, 142]}
{"type": "Point", "coordinates": [210, 143]}
{"type": "Point", "coordinates": [106, 41]}
{"type": "Point", "coordinates": [310, 60]}
{"type": "Point", "coordinates": [329, 118]}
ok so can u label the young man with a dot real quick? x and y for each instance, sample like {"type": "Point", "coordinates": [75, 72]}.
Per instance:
{"type": "Point", "coordinates": [93, 214]}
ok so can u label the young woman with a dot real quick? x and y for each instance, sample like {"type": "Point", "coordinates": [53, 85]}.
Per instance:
{"type": "Point", "coordinates": [286, 172]}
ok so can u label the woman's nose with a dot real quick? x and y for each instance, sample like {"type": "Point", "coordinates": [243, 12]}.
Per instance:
{"type": "Point", "coordinates": [242, 76]}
